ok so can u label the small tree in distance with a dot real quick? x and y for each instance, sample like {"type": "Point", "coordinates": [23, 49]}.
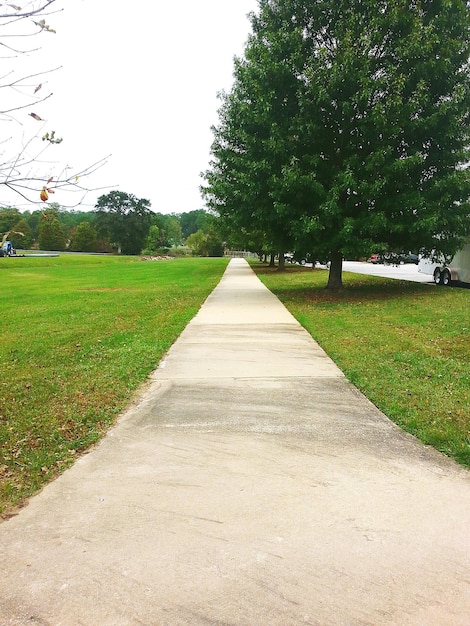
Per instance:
{"type": "Point", "coordinates": [23, 241]}
{"type": "Point", "coordinates": [125, 219]}
{"type": "Point", "coordinates": [51, 233]}
{"type": "Point", "coordinates": [84, 238]}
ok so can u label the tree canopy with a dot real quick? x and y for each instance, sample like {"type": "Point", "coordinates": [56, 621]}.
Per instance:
{"type": "Point", "coordinates": [51, 233]}
{"type": "Point", "coordinates": [96, 231]}
{"type": "Point", "coordinates": [84, 238]}
{"type": "Point", "coordinates": [125, 219]}
{"type": "Point", "coordinates": [347, 127]}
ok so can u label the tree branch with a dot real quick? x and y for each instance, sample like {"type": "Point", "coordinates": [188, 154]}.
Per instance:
{"type": "Point", "coordinates": [27, 13]}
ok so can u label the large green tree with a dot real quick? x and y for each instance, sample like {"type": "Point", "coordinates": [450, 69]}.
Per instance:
{"type": "Point", "coordinates": [347, 127]}
{"type": "Point", "coordinates": [253, 141]}
{"type": "Point", "coordinates": [125, 219]}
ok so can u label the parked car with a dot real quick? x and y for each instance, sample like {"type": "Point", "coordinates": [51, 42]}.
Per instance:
{"type": "Point", "coordinates": [375, 259]}
{"type": "Point", "coordinates": [295, 257]}
{"type": "Point", "coordinates": [302, 258]}
{"type": "Point", "coordinates": [399, 258]}
{"type": "Point", "coordinates": [409, 258]}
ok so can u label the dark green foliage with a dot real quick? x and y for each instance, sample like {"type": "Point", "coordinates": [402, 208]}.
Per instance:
{"type": "Point", "coordinates": [205, 244]}
{"type": "Point", "coordinates": [8, 219]}
{"type": "Point", "coordinates": [23, 241]}
{"type": "Point", "coordinates": [171, 229]}
{"type": "Point", "coordinates": [125, 219]}
{"type": "Point", "coordinates": [193, 221]}
{"type": "Point", "coordinates": [165, 232]}
{"type": "Point", "coordinates": [347, 128]}
{"type": "Point", "coordinates": [33, 219]}
{"type": "Point", "coordinates": [51, 234]}
{"type": "Point", "coordinates": [84, 239]}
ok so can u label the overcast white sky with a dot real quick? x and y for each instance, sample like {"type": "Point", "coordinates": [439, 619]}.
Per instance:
{"type": "Point", "coordinates": [140, 83]}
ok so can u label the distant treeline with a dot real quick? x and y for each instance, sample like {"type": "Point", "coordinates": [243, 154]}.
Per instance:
{"type": "Point", "coordinates": [124, 227]}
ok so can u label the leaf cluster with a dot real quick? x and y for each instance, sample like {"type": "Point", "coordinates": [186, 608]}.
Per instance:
{"type": "Point", "coordinates": [347, 127]}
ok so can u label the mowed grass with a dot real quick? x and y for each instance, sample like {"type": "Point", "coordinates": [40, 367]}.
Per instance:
{"type": "Point", "coordinates": [405, 345]}
{"type": "Point", "coordinates": [79, 334]}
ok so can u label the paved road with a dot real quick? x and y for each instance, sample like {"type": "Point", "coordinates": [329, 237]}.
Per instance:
{"type": "Point", "coordinates": [250, 484]}
{"type": "Point", "coordinates": [407, 271]}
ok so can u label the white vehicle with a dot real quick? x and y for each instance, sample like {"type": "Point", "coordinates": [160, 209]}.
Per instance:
{"type": "Point", "coordinates": [457, 271]}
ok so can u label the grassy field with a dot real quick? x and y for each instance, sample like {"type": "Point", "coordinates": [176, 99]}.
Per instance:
{"type": "Point", "coordinates": [79, 335]}
{"type": "Point", "coordinates": [405, 345]}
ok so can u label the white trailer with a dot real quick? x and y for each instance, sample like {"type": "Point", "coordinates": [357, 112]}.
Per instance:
{"type": "Point", "coordinates": [457, 271]}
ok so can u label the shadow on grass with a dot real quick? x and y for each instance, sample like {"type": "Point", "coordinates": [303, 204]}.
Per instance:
{"type": "Point", "coordinates": [310, 286]}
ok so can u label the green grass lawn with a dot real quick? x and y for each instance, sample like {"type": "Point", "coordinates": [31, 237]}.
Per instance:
{"type": "Point", "coordinates": [405, 345]}
{"type": "Point", "coordinates": [79, 334]}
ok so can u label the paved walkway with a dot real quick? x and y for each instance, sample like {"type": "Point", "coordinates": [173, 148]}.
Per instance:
{"type": "Point", "coordinates": [252, 485]}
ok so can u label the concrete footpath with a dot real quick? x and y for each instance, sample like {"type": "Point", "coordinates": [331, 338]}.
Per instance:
{"type": "Point", "coordinates": [250, 484]}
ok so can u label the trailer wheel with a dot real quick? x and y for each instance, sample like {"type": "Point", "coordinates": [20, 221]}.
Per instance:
{"type": "Point", "coordinates": [446, 278]}
{"type": "Point", "coordinates": [437, 276]}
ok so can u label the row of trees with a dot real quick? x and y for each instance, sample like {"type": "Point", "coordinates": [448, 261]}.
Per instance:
{"type": "Point", "coordinates": [346, 129]}
{"type": "Point", "coordinates": [120, 223]}
{"type": "Point", "coordinates": [131, 226]}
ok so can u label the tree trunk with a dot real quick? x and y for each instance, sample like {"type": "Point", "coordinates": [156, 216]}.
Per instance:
{"type": "Point", "coordinates": [335, 277]}
{"type": "Point", "coordinates": [271, 260]}
{"type": "Point", "coordinates": [282, 262]}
